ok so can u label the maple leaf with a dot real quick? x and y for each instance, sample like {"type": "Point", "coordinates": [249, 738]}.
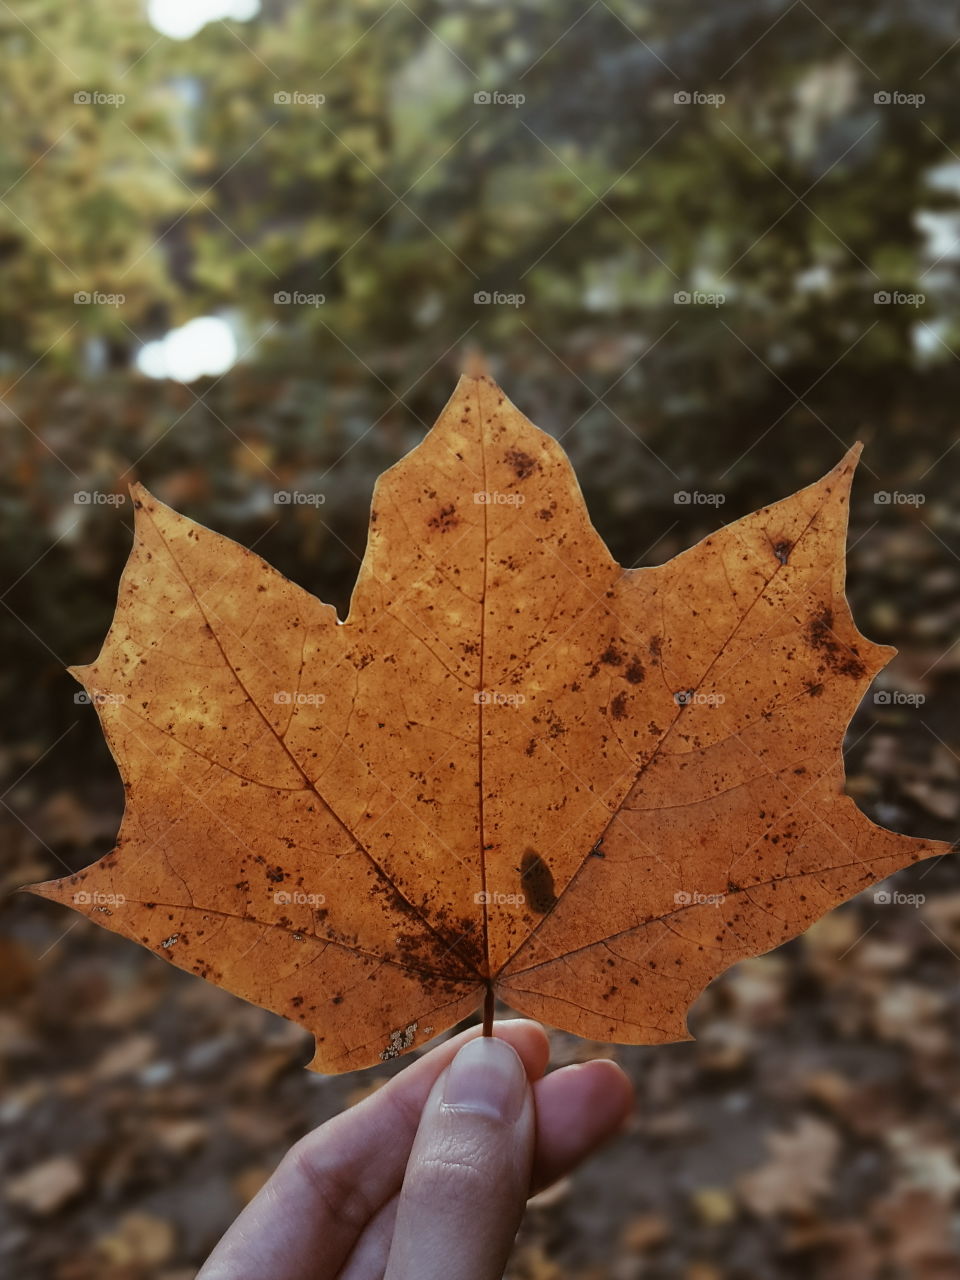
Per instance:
{"type": "Point", "coordinates": [516, 769]}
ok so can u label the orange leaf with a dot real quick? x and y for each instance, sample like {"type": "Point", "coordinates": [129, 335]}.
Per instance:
{"type": "Point", "coordinates": [517, 768]}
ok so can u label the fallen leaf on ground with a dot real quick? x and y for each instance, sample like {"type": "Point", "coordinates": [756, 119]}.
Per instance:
{"type": "Point", "coordinates": [180, 1136]}
{"type": "Point", "coordinates": [516, 770]}
{"type": "Point", "coordinates": [714, 1206]}
{"type": "Point", "coordinates": [47, 1187]}
{"type": "Point", "coordinates": [918, 1227]}
{"type": "Point", "coordinates": [797, 1173]}
{"type": "Point", "coordinates": [140, 1238]}
{"type": "Point", "coordinates": [646, 1231]}
{"type": "Point", "coordinates": [125, 1057]}
{"type": "Point", "coordinates": [929, 1163]}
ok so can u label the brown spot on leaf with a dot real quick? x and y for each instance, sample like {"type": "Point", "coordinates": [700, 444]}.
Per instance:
{"type": "Point", "coordinates": [618, 706]}
{"type": "Point", "coordinates": [841, 658]}
{"type": "Point", "coordinates": [536, 881]}
{"type": "Point", "coordinates": [445, 519]}
{"type": "Point", "coordinates": [523, 465]}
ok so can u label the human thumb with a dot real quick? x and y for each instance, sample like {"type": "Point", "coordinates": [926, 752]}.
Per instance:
{"type": "Point", "coordinates": [468, 1176]}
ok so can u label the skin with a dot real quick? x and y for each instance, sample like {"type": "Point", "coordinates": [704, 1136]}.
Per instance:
{"type": "Point", "coordinates": [427, 1179]}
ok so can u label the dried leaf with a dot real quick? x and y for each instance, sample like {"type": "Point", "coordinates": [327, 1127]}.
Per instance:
{"type": "Point", "coordinates": [47, 1187]}
{"type": "Point", "coordinates": [139, 1238]}
{"type": "Point", "coordinates": [517, 769]}
{"type": "Point", "coordinates": [798, 1171]}
{"type": "Point", "coordinates": [646, 1231]}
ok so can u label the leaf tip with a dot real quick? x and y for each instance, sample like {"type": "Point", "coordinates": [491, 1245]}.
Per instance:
{"type": "Point", "coordinates": [42, 889]}
{"type": "Point", "coordinates": [848, 463]}
{"type": "Point", "coordinates": [140, 495]}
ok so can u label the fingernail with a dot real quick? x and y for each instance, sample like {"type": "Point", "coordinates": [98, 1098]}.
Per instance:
{"type": "Point", "coordinates": [486, 1077]}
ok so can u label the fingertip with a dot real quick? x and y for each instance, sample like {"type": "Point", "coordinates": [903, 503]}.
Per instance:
{"type": "Point", "coordinates": [600, 1090]}
{"type": "Point", "coordinates": [607, 1079]}
{"type": "Point", "coordinates": [578, 1109]}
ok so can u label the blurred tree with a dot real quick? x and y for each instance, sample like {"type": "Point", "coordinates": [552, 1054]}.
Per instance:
{"type": "Point", "coordinates": [87, 132]}
{"type": "Point", "coordinates": [762, 150]}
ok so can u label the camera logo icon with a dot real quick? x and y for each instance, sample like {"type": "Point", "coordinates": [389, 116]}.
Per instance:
{"type": "Point", "coordinates": [882, 98]}
{"type": "Point", "coordinates": [682, 98]}
{"type": "Point", "coordinates": [82, 98]}
{"type": "Point", "coordinates": [282, 498]}
{"type": "Point", "coordinates": [681, 298]}
{"type": "Point", "coordinates": [482, 98]}
{"type": "Point", "coordinates": [282, 298]}
{"type": "Point", "coordinates": [482, 298]}
{"type": "Point", "coordinates": [282, 99]}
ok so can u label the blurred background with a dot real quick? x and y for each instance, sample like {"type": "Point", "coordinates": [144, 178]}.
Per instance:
{"type": "Point", "coordinates": [245, 248]}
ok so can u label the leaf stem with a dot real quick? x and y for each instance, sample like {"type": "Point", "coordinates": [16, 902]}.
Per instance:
{"type": "Point", "coordinates": [488, 1011]}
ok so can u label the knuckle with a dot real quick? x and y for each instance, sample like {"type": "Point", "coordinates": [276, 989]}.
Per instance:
{"type": "Point", "coordinates": [336, 1191]}
{"type": "Point", "coordinates": [453, 1174]}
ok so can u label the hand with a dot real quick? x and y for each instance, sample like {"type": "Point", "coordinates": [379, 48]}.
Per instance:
{"type": "Point", "coordinates": [427, 1178]}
